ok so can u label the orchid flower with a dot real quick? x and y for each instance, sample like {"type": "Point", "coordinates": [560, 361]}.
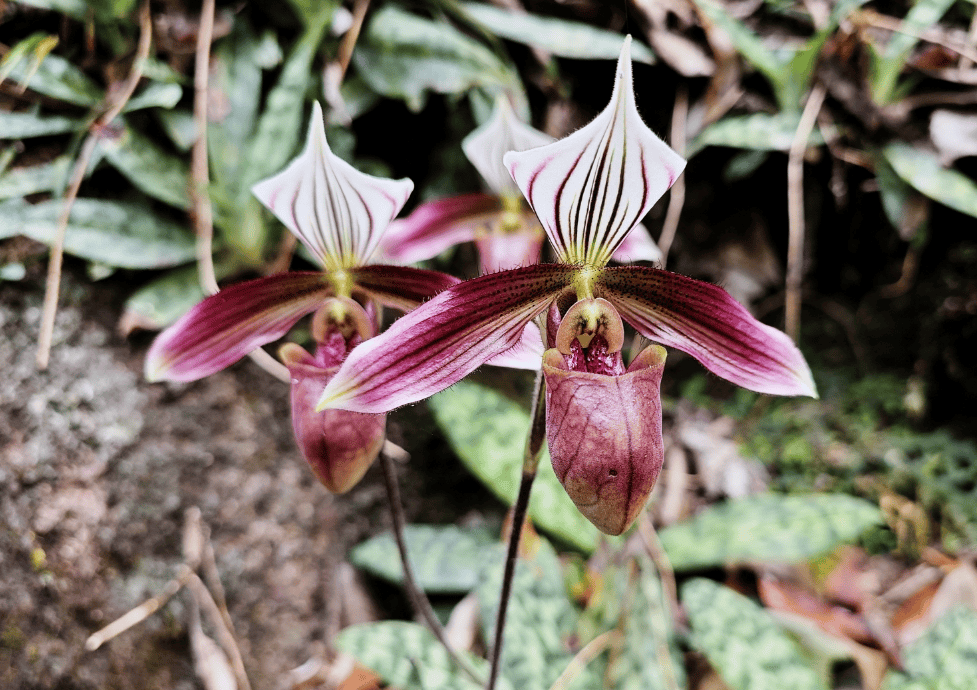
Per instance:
{"type": "Point", "coordinates": [339, 214]}
{"type": "Point", "coordinates": [603, 421]}
{"type": "Point", "coordinates": [504, 229]}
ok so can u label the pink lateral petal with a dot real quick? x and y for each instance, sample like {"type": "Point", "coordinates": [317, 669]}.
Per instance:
{"type": "Point", "coordinates": [225, 327]}
{"type": "Point", "coordinates": [591, 188]}
{"type": "Point", "coordinates": [527, 353]}
{"type": "Point", "coordinates": [637, 246]}
{"type": "Point", "coordinates": [702, 320]}
{"type": "Point", "coordinates": [401, 287]}
{"type": "Point", "coordinates": [500, 249]}
{"type": "Point", "coordinates": [434, 226]}
{"type": "Point", "coordinates": [444, 340]}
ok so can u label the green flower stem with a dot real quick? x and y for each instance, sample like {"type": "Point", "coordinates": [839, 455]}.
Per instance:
{"type": "Point", "coordinates": [418, 599]}
{"type": "Point", "coordinates": [534, 444]}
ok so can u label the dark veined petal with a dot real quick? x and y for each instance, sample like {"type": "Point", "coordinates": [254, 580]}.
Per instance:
{"type": "Point", "coordinates": [444, 340]}
{"type": "Point", "coordinates": [592, 187]}
{"type": "Point", "coordinates": [434, 226]}
{"type": "Point", "coordinates": [225, 327]}
{"type": "Point", "coordinates": [702, 320]}
{"type": "Point", "coordinates": [504, 132]}
{"type": "Point", "coordinates": [338, 212]}
{"type": "Point", "coordinates": [400, 287]}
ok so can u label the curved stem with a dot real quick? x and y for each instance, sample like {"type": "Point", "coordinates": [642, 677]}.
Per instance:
{"type": "Point", "coordinates": [418, 598]}
{"type": "Point", "coordinates": [534, 445]}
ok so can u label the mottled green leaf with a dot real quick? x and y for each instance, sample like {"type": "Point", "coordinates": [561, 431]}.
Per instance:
{"type": "Point", "coordinates": [119, 234]}
{"type": "Point", "coordinates": [156, 172]}
{"type": "Point", "coordinates": [743, 642]}
{"type": "Point", "coordinates": [767, 527]}
{"type": "Point", "coordinates": [309, 10]}
{"type": "Point", "coordinates": [407, 656]}
{"type": "Point", "coordinates": [759, 131]}
{"type": "Point", "coordinates": [539, 624]}
{"type": "Point", "coordinates": [163, 300]}
{"type": "Point", "coordinates": [557, 36]}
{"type": "Point", "coordinates": [488, 432]}
{"type": "Point", "coordinates": [180, 127]}
{"type": "Point", "coordinates": [943, 658]}
{"type": "Point", "coordinates": [155, 95]}
{"type": "Point", "coordinates": [57, 78]}
{"type": "Point", "coordinates": [27, 125]}
{"type": "Point", "coordinates": [649, 658]}
{"type": "Point", "coordinates": [922, 170]}
{"type": "Point", "coordinates": [446, 558]}
{"type": "Point", "coordinates": [887, 63]}
{"type": "Point", "coordinates": [46, 177]}
{"type": "Point", "coordinates": [404, 56]}
{"type": "Point", "coordinates": [77, 9]}
{"type": "Point", "coordinates": [12, 271]}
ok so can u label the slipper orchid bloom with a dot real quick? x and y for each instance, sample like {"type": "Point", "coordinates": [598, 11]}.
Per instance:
{"type": "Point", "coordinates": [339, 214]}
{"type": "Point", "coordinates": [504, 229]}
{"type": "Point", "coordinates": [603, 421]}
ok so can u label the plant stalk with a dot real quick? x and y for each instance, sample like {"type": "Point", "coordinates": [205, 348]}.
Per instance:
{"type": "Point", "coordinates": [418, 598]}
{"type": "Point", "coordinates": [534, 444]}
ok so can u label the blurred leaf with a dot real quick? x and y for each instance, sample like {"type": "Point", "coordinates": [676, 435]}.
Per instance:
{"type": "Point", "coordinates": [922, 170]}
{"type": "Point", "coordinates": [28, 125]}
{"type": "Point", "coordinates": [57, 78]}
{"type": "Point", "coordinates": [404, 56]}
{"type": "Point", "coordinates": [407, 656]}
{"type": "Point", "coordinates": [180, 127]}
{"type": "Point", "coordinates": [648, 637]}
{"type": "Point", "coordinates": [943, 658]}
{"type": "Point", "coordinates": [886, 65]}
{"type": "Point", "coordinates": [12, 271]}
{"type": "Point", "coordinates": [161, 72]}
{"type": "Point", "coordinates": [309, 11]}
{"type": "Point", "coordinates": [33, 50]}
{"type": "Point", "coordinates": [446, 558]}
{"type": "Point", "coordinates": [115, 233]}
{"type": "Point", "coordinates": [488, 432]}
{"type": "Point", "coordinates": [902, 204]}
{"type": "Point", "coordinates": [759, 131]}
{"type": "Point", "coordinates": [557, 36]}
{"type": "Point", "coordinates": [744, 164]}
{"type": "Point", "coordinates": [155, 95]}
{"type": "Point", "coordinates": [77, 9]}
{"type": "Point", "coordinates": [767, 527]}
{"type": "Point", "coordinates": [539, 623]}
{"type": "Point", "coordinates": [743, 642]}
{"type": "Point", "coordinates": [162, 301]}
{"type": "Point", "coordinates": [46, 177]}
{"type": "Point", "coordinates": [159, 174]}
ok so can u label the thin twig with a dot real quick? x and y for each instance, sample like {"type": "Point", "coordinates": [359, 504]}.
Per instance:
{"type": "Point", "coordinates": [934, 36]}
{"type": "Point", "coordinates": [345, 52]}
{"type": "Point", "coordinates": [676, 200]}
{"type": "Point", "coordinates": [661, 562]}
{"type": "Point", "coordinates": [418, 598]}
{"type": "Point", "coordinates": [138, 614]}
{"type": "Point", "coordinates": [200, 181]}
{"type": "Point", "coordinates": [795, 212]}
{"type": "Point", "coordinates": [224, 635]}
{"type": "Point", "coordinates": [530, 462]}
{"type": "Point", "coordinates": [590, 651]}
{"type": "Point", "coordinates": [114, 103]}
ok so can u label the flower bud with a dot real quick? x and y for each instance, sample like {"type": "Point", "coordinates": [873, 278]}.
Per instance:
{"type": "Point", "coordinates": [339, 445]}
{"type": "Point", "coordinates": [603, 423]}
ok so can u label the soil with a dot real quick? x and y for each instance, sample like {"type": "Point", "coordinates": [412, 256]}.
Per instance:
{"type": "Point", "coordinates": [97, 469]}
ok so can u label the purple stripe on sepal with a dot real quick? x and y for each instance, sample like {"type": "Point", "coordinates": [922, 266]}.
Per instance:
{"type": "Point", "coordinates": [225, 327]}
{"type": "Point", "coordinates": [400, 287]}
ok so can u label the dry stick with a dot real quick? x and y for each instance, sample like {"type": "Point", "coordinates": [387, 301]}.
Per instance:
{"type": "Point", "coordinates": [660, 560]}
{"type": "Point", "coordinates": [114, 104]}
{"type": "Point", "coordinates": [590, 651]}
{"type": "Point", "coordinates": [138, 614]}
{"type": "Point", "coordinates": [530, 462]}
{"type": "Point", "coordinates": [676, 199]}
{"type": "Point", "coordinates": [795, 212]}
{"type": "Point", "coordinates": [417, 596]}
{"type": "Point", "coordinates": [224, 634]}
{"type": "Point", "coordinates": [200, 174]}
{"type": "Point", "coordinates": [345, 52]}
